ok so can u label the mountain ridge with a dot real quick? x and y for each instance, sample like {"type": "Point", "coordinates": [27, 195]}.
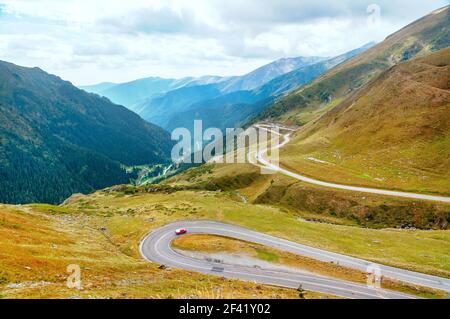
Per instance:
{"type": "Point", "coordinates": [428, 34]}
{"type": "Point", "coordinates": [239, 107]}
{"type": "Point", "coordinates": [55, 135]}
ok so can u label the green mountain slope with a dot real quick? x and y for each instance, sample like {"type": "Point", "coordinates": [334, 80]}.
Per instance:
{"type": "Point", "coordinates": [421, 37]}
{"type": "Point", "coordinates": [56, 140]}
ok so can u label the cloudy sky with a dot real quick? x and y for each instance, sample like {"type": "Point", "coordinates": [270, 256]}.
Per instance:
{"type": "Point", "coordinates": [91, 41]}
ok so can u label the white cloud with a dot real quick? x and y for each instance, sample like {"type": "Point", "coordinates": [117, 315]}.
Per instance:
{"type": "Point", "coordinates": [111, 40]}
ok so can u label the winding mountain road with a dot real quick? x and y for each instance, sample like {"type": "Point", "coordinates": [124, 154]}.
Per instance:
{"type": "Point", "coordinates": [286, 138]}
{"type": "Point", "coordinates": [156, 247]}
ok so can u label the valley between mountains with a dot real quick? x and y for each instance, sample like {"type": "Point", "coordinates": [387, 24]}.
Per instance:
{"type": "Point", "coordinates": [363, 179]}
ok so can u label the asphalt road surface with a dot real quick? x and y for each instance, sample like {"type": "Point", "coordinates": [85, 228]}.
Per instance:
{"type": "Point", "coordinates": [156, 247]}
{"type": "Point", "coordinates": [286, 138]}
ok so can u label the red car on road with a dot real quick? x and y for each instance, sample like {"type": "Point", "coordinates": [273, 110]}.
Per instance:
{"type": "Point", "coordinates": [181, 231]}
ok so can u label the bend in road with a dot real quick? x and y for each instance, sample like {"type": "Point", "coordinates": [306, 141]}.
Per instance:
{"type": "Point", "coordinates": [266, 164]}
{"type": "Point", "coordinates": [156, 248]}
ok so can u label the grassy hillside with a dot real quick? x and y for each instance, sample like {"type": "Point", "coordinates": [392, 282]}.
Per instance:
{"type": "Point", "coordinates": [428, 34]}
{"type": "Point", "coordinates": [314, 203]}
{"type": "Point", "coordinates": [101, 232]}
{"type": "Point", "coordinates": [37, 243]}
{"type": "Point", "coordinates": [395, 133]}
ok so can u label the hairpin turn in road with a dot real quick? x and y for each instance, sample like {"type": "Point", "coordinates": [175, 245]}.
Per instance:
{"type": "Point", "coordinates": [156, 247]}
